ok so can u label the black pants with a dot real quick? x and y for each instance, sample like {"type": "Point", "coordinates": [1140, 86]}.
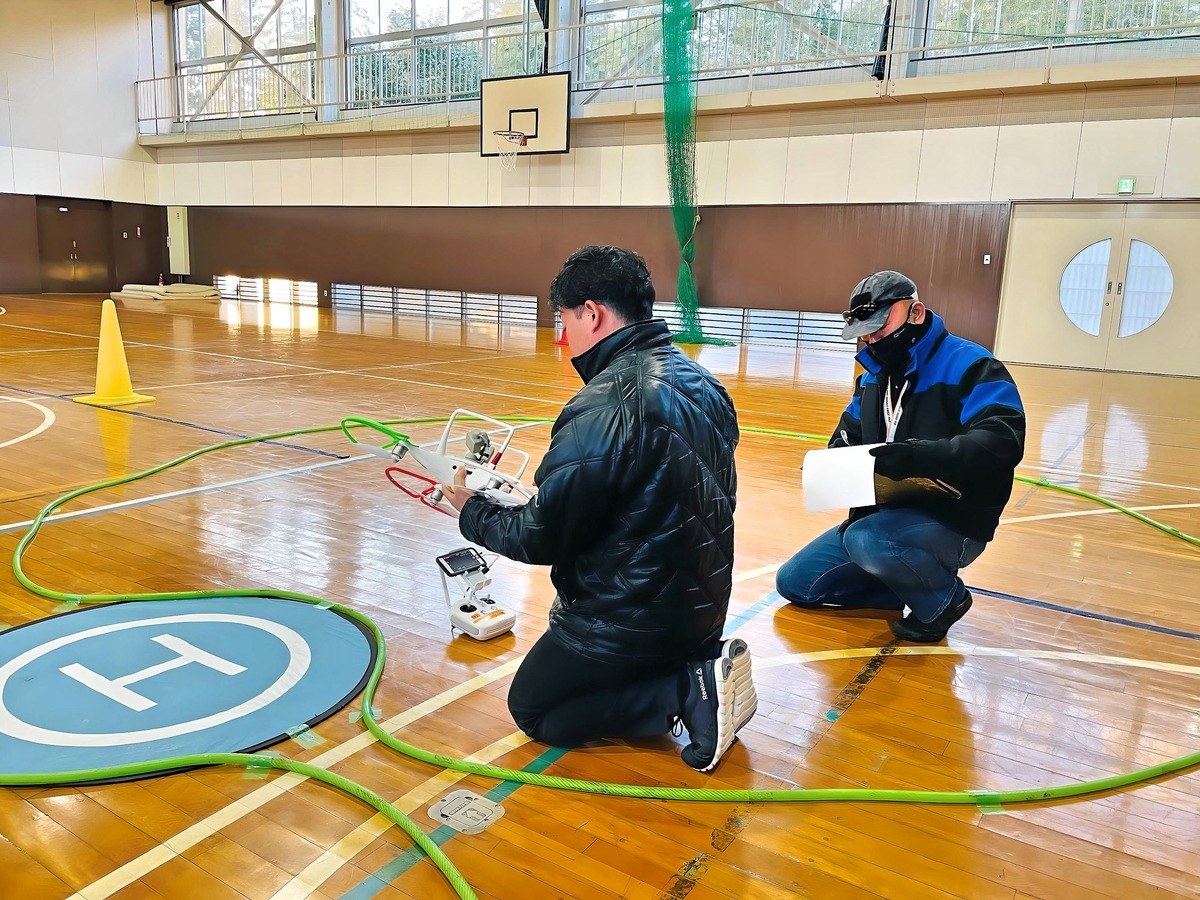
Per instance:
{"type": "Point", "coordinates": [564, 699]}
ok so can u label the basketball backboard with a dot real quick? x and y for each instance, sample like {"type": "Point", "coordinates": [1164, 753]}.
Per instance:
{"type": "Point", "coordinates": [534, 105]}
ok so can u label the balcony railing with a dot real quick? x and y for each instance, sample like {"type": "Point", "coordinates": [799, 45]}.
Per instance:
{"type": "Point", "coordinates": [738, 49]}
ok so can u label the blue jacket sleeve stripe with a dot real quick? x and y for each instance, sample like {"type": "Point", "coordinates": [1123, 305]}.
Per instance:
{"type": "Point", "coordinates": [990, 393]}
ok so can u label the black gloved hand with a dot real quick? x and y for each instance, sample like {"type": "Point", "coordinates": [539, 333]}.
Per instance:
{"type": "Point", "coordinates": [895, 461]}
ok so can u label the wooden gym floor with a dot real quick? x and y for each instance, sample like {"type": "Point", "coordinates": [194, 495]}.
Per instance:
{"type": "Point", "coordinates": [851, 717]}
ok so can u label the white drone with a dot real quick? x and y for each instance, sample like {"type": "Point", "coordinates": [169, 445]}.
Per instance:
{"type": "Point", "coordinates": [484, 451]}
{"type": "Point", "coordinates": [475, 613]}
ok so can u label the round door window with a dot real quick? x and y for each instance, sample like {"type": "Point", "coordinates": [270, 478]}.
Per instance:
{"type": "Point", "coordinates": [1081, 288]}
{"type": "Point", "coordinates": [1148, 286]}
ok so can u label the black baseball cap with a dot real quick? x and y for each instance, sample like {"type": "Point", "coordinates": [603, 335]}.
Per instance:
{"type": "Point", "coordinates": [871, 301]}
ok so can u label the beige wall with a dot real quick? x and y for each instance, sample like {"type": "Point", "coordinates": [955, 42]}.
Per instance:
{"type": "Point", "coordinates": [67, 118]}
{"type": "Point", "coordinates": [1071, 144]}
{"type": "Point", "coordinates": [67, 126]}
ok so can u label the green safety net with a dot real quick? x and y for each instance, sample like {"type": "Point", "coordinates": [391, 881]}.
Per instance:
{"type": "Point", "coordinates": [679, 126]}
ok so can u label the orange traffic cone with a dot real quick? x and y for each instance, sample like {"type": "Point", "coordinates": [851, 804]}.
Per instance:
{"type": "Point", "coordinates": [113, 387]}
{"type": "Point", "coordinates": [561, 340]}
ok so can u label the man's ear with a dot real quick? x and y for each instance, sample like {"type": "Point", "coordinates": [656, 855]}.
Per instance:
{"type": "Point", "coordinates": [916, 312]}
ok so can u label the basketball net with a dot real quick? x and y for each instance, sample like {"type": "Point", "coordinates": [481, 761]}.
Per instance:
{"type": "Point", "coordinates": [511, 141]}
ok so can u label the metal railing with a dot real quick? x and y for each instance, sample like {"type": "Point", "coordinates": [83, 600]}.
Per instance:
{"type": "Point", "coordinates": [423, 84]}
{"type": "Point", "coordinates": [773, 327]}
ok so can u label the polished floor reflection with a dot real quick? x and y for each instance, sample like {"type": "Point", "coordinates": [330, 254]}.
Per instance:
{"type": "Point", "coordinates": [1078, 660]}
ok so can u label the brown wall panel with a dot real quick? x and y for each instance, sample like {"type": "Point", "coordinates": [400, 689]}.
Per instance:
{"type": "Point", "coordinates": [20, 265]}
{"type": "Point", "coordinates": [508, 251]}
{"type": "Point", "coordinates": [810, 257]}
{"type": "Point", "coordinates": [764, 257]}
{"type": "Point", "coordinates": [139, 259]}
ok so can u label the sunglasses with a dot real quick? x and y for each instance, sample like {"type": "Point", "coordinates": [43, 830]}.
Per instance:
{"type": "Point", "coordinates": [864, 311]}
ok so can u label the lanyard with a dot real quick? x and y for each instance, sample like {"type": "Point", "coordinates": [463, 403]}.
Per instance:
{"type": "Point", "coordinates": [892, 411]}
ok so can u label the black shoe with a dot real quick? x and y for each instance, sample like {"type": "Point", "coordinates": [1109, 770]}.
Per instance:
{"type": "Point", "coordinates": [910, 628]}
{"type": "Point", "coordinates": [702, 712]}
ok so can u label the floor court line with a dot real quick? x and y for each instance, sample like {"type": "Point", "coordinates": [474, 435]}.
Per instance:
{"type": "Point", "coordinates": [125, 875]}
{"type": "Point", "coordinates": [1096, 512]}
{"type": "Point", "coordinates": [470, 390]}
{"type": "Point", "coordinates": [326, 865]}
{"type": "Point", "coordinates": [143, 501]}
{"type": "Point", "coordinates": [317, 372]}
{"type": "Point", "coordinates": [134, 343]}
{"type": "Point", "coordinates": [48, 419]}
{"type": "Point", "coordinates": [238, 482]}
{"type": "Point", "coordinates": [43, 350]}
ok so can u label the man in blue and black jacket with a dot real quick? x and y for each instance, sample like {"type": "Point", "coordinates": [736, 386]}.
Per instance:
{"type": "Point", "coordinates": [950, 425]}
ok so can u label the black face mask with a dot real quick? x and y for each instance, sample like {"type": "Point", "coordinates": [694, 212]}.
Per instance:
{"type": "Point", "coordinates": [892, 352]}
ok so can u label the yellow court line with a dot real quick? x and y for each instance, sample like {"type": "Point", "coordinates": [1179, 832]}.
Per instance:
{"type": "Point", "coordinates": [127, 874]}
{"type": "Point", "coordinates": [1068, 655]}
{"type": "Point", "coordinates": [1096, 512]}
{"type": "Point", "coordinates": [48, 418]}
{"type": "Point", "coordinates": [327, 864]}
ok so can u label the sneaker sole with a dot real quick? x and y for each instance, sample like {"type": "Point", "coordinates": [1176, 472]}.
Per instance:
{"type": "Point", "coordinates": [737, 700]}
{"type": "Point", "coordinates": [745, 697]}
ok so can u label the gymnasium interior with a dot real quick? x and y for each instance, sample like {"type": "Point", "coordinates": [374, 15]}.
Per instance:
{"type": "Point", "coordinates": [250, 249]}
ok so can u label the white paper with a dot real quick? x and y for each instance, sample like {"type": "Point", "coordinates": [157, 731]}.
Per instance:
{"type": "Point", "coordinates": [839, 478]}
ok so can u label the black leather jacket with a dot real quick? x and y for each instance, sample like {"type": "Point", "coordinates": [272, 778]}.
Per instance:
{"type": "Point", "coordinates": [634, 510]}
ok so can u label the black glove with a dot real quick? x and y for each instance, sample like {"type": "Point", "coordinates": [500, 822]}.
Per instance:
{"type": "Point", "coordinates": [895, 461]}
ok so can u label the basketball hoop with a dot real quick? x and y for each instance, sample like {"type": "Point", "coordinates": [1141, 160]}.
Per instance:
{"type": "Point", "coordinates": [508, 152]}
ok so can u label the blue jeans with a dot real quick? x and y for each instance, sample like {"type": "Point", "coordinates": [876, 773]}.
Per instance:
{"type": "Point", "coordinates": [891, 559]}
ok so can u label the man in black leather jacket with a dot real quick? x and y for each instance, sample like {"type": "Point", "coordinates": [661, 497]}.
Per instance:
{"type": "Point", "coordinates": [634, 515]}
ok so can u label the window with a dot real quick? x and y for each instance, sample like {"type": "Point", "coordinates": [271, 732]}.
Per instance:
{"type": "Point", "coordinates": [508, 309]}
{"type": "Point", "coordinates": [272, 290]}
{"type": "Point", "coordinates": [220, 77]}
{"type": "Point", "coordinates": [436, 50]}
{"type": "Point", "coordinates": [1081, 289]}
{"type": "Point", "coordinates": [1030, 22]}
{"type": "Point", "coordinates": [1148, 286]}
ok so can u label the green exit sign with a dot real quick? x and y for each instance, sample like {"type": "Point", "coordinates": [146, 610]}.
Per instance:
{"type": "Point", "coordinates": [1125, 185]}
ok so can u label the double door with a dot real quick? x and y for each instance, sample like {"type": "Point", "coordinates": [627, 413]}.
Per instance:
{"type": "Point", "coordinates": [1110, 286]}
{"type": "Point", "coordinates": [75, 245]}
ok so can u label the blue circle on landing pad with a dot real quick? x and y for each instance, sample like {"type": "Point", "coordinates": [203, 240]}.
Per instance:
{"type": "Point", "coordinates": [125, 683]}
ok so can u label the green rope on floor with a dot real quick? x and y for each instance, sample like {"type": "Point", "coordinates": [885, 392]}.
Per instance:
{"type": "Point", "coordinates": [264, 761]}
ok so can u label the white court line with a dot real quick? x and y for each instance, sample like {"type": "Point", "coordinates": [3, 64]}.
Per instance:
{"type": "Point", "coordinates": [755, 573]}
{"type": "Point", "coordinates": [44, 350]}
{"type": "Point", "coordinates": [318, 372]}
{"type": "Point", "coordinates": [471, 390]}
{"type": "Point", "coordinates": [1050, 474]}
{"type": "Point", "coordinates": [47, 420]}
{"type": "Point", "coordinates": [266, 476]}
{"type": "Point", "coordinates": [133, 343]}
{"type": "Point", "coordinates": [125, 504]}
{"type": "Point", "coordinates": [327, 864]}
{"type": "Point", "coordinates": [121, 878]}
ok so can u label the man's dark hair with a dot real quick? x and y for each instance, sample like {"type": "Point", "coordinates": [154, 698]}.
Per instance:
{"type": "Point", "coordinates": [610, 276]}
